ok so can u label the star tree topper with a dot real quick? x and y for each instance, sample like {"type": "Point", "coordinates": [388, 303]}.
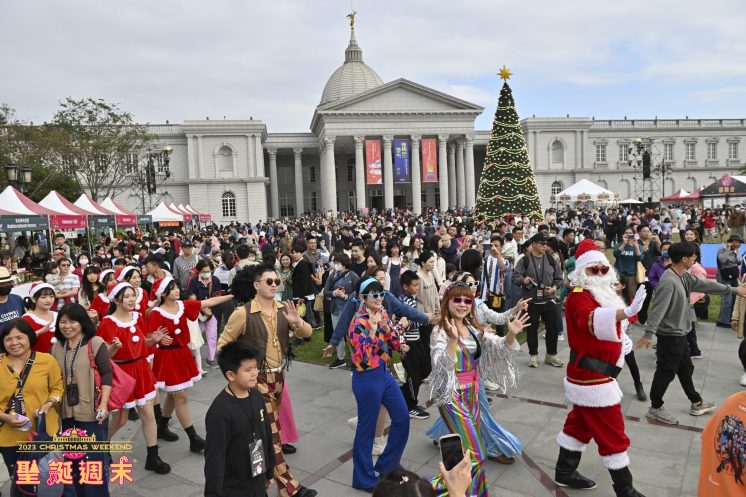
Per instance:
{"type": "Point", "coordinates": [505, 73]}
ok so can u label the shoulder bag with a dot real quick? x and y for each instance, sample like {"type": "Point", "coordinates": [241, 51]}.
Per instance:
{"type": "Point", "coordinates": [122, 384]}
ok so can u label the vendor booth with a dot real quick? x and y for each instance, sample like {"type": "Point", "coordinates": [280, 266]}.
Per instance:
{"type": "Point", "coordinates": [728, 190]}
{"type": "Point", "coordinates": [585, 191]}
{"type": "Point", "coordinates": [123, 217]}
{"type": "Point", "coordinates": [165, 218]}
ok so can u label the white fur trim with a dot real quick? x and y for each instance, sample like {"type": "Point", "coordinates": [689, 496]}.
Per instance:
{"type": "Point", "coordinates": [164, 283]}
{"type": "Point", "coordinates": [118, 288]}
{"type": "Point", "coordinates": [176, 317]}
{"type": "Point", "coordinates": [125, 271]}
{"type": "Point", "coordinates": [124, 324]}
{"type": "Point", "coordinates": [36, 319]}
{"type": "Point", "coordinates": [591, 257]}
{"type": "Point", "coordinates": [39, 287]}
{"type": "Point", "coordinates": [616, 461]}
{"type": "Point", "coordinates": [605, 324]}
{"type": "Point", "coordinates": [570, 443]}
{"type": "Point", "coordinates": [599, 395]}
{"type": "Point", "coordinates": [161, 385]}
{"type": "Point", "coordinates": [103, 274]}
{"type": "Point", "coordinates": [140, 402]}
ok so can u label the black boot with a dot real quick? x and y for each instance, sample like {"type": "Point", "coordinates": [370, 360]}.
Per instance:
{"type": "Point", "coordinates": [640, 392]}
{"type": "Point", "coordinates": [133, 416]}
{"type": "Point", "coordinates": [622, 479]}
{"type": "Point", "coordinates": [157, 412]}
{"type": "Point", "coordinates": [566, 474]}
{"type": "Point", "coordinates": [164, 433]}
{"type": "Point", "coordinates": [196, 443]}
{"type": "Point", "coordinates": [154, 462]}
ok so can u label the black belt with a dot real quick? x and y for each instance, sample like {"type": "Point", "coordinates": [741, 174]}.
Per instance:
{"type": "Point", "coordinates": [595, 365]}
{"type": "Point", "coordinates": [168, 347]}
{"type": "Point", "coordinates": [129, 361]}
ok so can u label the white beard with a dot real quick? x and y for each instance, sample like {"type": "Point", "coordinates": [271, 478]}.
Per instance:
{"type": "Point", "coordinates": [600, 286]}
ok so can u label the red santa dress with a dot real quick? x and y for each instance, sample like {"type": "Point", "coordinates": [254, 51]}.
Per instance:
{"type": "Point", "coordinates": [131, 357]}
{"type": "Point", "coordinates": [101, 305]}
{"type": "Point", "coordinates": [44, 341]}
{"type": "Point", "coordinates": [593, 331]}
{"type": "Point", "coordinates": [173, 365]}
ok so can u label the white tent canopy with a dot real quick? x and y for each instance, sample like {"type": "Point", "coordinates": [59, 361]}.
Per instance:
{"type": "Point", "coordinates": [163, 213]}
{"type": "Point", "coordinates": [630, 201]}
{"type": "Point", "coordinates": [109, 204]}
{"type": "Point", "coordinates": [585, 190]}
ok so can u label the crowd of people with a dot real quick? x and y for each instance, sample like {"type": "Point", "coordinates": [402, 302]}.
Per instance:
{"type": "Point", "coordinates": [446, 292]}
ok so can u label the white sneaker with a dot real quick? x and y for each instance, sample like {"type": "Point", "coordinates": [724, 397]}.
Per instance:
{"type": "Point", "coordinates": [352, 423]}
{"type": "Point", "coordinates": [533, 361]}
{"type": "Point", "coordinates": [492, 387]}
{"type": "Point", "coordinates": [561, 337]}
{"type": "Point", "coordinates": [426, 380]}
{"type": "Point", "coordinates": [379, 443]}
{"type": "Point", "coordinates": [400, 372]}
{"type": "Point", "coordinates": [743, 380]}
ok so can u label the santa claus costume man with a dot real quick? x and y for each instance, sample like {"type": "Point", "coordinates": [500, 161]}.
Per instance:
{"type": "Point", "coordinates": [596, 318]}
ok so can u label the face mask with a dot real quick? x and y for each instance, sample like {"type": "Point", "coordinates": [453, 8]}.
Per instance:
{"type": "Point", "coordinates": [205, 276]}
{"type": "Point", "coordinates": [5, 290]}
{"type": "Point", "coordinates": [217, 258]}
{"type": "Point", "coordinates": [83, 262]}
{"type": "Point", "coordinates": [338, 267]}
{"type": "Point", "coordinates": [664, 255]}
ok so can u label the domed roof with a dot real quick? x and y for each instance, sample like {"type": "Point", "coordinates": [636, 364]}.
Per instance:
{"type": "Point", "coordinates": [353, 77]}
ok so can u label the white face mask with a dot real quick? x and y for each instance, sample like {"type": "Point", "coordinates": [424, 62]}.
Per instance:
{"type": "Point", "coordinates": [206, 276]}
{"type": "Point", "coordinates": [83, 262]}
{"type": "Point", "coordinates": [338, 267]}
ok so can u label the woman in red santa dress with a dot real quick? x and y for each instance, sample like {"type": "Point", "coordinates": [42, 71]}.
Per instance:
{"type": "Point", "coordinates": [124, 332]}
{"type": "Point", "coordinates": [596, 317]}
{"type": "Point", "coordinates": [174, 366]}
{"type": "Point", "coordinates": [42, 319]}
{"type": "Point", "coordinates": [101, 303]}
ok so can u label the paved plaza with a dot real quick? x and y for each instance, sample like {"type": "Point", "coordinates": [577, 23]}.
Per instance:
{"type": "Point", "coordinates": [665, 460]}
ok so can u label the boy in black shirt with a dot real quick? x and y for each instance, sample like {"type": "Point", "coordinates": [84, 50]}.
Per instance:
{"type": "Point", "coordinates": [239, 458]}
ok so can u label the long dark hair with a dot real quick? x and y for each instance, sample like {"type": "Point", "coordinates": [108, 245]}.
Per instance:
{"type": "Point", "coordinates": [75, 312]}
{"type": "Point", "coordinates": [89, 289]}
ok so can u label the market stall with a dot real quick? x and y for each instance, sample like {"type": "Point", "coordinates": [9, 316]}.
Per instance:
{"type": "Point", "coordinates": [585, 191]}
{"type": "Point", "coordinates": [203, 218]}
{"type": "Point", "coordinates": [68, 216]}
{"type": "Point", "coordinates": [728, 190]}
{"type": "Point", "coordinates": [123, 217]}
{"type": "Point", "coordinates": [165, 218]}
{"type": "Point", "coordinates": [101, 221]}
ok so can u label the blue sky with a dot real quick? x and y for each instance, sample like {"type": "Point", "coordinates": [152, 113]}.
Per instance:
{"type": "Point", "coordinates": [188, 59]}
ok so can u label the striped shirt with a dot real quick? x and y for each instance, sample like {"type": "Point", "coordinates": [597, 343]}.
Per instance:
{"type": "Point", "coordinates": [412, 332]}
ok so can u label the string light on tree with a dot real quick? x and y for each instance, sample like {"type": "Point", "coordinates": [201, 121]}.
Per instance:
{"type": "Point", "coordinates": [508, 184]}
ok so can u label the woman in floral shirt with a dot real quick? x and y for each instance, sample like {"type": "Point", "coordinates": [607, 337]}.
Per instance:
{"type": "Point", "coordinates": [373, 339]}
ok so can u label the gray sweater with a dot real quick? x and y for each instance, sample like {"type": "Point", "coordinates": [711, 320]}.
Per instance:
{"type": "Point", "coordinates": [669, 310]}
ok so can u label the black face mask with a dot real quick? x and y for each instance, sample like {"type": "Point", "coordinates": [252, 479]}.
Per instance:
{"type": "Point", "coordinates": [5, 290]}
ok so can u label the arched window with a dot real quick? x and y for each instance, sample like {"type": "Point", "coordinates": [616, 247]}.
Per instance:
{"type": "Point", "coordinates": [229, 204]}
{"type": "Point", "coordinates": [557, 187]}
{"type": "Point", "coordinates": [224, 159]}
{"type": "Point", "coordinates": [558, 152]}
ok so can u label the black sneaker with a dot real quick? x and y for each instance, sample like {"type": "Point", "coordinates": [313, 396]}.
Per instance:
{"type": "Point", "coordinates": [419, 413]}
{"type": "Point", "coordinates": [338, 363]}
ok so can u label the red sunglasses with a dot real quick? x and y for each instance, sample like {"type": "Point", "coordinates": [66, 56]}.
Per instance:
{"type": "Point", "coordinates": [462, 300]}
{"type": "Point", "coordinates": [599, 269]}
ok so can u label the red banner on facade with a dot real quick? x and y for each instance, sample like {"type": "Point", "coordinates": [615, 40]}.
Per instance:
{"type": "Point", "coordinates": [429, 160]}
{"type": "Point", "coordinates": [374, 174]}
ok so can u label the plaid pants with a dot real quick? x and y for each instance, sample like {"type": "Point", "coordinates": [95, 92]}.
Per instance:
{"type": "Point", "coordinates": [271, 386]}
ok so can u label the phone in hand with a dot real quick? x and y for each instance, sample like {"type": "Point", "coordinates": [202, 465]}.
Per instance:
{"type": "Point", "coordinates": [451, 450]}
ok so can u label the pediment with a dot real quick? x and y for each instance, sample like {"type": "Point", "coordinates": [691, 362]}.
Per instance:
{"type": "Point", "coordinates": [400, 95]}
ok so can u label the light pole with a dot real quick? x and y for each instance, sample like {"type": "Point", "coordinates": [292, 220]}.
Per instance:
{"type": "Point", "coordinates": [158, 161]}
{"type": "Point", "coordinates": [18, 177]}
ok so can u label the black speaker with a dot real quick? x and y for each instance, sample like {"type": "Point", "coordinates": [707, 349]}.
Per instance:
{"type": "Point", "coordinates": [646, 164]}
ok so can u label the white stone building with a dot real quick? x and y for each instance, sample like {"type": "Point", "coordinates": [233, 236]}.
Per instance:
{"type": "Point", "coordinates": [236, 171]}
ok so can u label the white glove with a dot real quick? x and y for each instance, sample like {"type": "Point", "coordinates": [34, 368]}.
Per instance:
{"type": "Point", "coordinates": [627, 344]}
{"type": "Point", "coordinates": [636, 304]}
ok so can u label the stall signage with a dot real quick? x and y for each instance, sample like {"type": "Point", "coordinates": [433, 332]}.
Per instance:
{"type": "Point", "coordinates": [10, 223]}
{"type": "Point", "coordinates": [144, 219]}
{"type": "Point", "coordinates": [101, 221]}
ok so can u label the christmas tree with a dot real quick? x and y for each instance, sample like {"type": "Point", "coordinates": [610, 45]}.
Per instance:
{"type": "Point", "coordinates": [507, 185]}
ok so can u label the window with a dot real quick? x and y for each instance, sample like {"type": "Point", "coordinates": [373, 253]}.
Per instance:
{"type": "Point", "coordinates": [668, 151]}
{"type": "Point", "coordinates": [287, 209]}
{"type": "Point", "coordinates": [624, 152]}
{"type": "Point", "coordinates": [224, 159]}
{"type": "Point", "coordinates": [600, 153]}
{"type": "Point", "coordinates": [351, 170]}
{"type": "Point", "coordinates": [229, 204]}
{"type": "Point", "coordinates": [556, 188]}
{"type": "Point", "coordinates": [310, 201]}
{"type": "Point", "coordinates": [312, 175]}
{"type": "Point", "coordinates": [131, 161]}
{"type": "Point", "coordinates": [558, 152]}
{"type": "Point", "coordinates": [423, 198]}
{"type": "Point", "coordinates": [712, 151]}
{"type": "Point", "coordinates": [437, 197]}
{"type": "Point", "coordinates": [733, 150]}
{"type": "Point", "coordinates": [351, 202]}
{"type": "Point", "coordinates": [690, 151]}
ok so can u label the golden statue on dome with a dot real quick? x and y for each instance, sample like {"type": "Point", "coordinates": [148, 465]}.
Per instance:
{"type": "Point", "coordinates": [351, 17]}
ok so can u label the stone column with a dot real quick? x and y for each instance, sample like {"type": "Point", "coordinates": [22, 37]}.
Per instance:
{"type": "Point", "coordinates": [460, 174]}
{"type": "Point", "coordinates": [359, 173]}
{"type": "Point", "coordinates": [452, 185]}
{"type": "Point", "coordinates": [274, 188]}
{"type": "Point", "coordinates": [443, 171]}
{"type": "Point", "coordinates": [251, 157]}
{"type": "Point", "coordinates": [388, 174]}
{"type": "Point", "coordinates": [471, 174]}
{"type": "Point", "coordinates": [259, 148]}
{"type": "Point", "coordinates": [330, 176]}
{"type": "Point", "coordinates": [191, 153]}
{"type": "Point", "coordinates": [297, 153]}
{"type": "Point", "coordinates": [200, 159]}
{"type": "Point", "coordinates": [416, 175]}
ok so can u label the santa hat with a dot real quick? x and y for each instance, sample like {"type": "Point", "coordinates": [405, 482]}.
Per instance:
{"type": "Point", "coordinates": [103, 274]}
{"type": "Point", "coordinates": [37, 287]}
{"type": "Point", "coordinates": [122, 273]}
{"type": "Point", "coordinates": [115, 289]}
{"type": "Point", "coordinates": [587, 254]}
{"type": "Point", "coordinates": [160, 286]}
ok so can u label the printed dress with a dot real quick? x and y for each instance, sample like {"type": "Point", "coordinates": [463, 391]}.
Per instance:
{"type": "Point", "coordinates": [131, 357]}
{"type": "Point", "coordinates": [44, 341]}
{"type": "Point", "coordinates": [174, 366]}
{"type": "Point", "coordinates": [455, 386]}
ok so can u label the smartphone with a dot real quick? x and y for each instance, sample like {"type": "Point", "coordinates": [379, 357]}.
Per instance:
{"type": "Point", "coordinates": [451, 450]}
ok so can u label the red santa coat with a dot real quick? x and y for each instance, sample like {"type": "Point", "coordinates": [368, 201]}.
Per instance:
{"type": "Point", "coordinates": [44, 341]}
{"type": "Point", "coordinates": [174, 366]}
{"type": "Point", "coordinates": [593, 331]}
{"type": "Point", "coordinates": [131, 357]}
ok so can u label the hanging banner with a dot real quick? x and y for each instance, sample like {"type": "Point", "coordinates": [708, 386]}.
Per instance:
{"type": "Point", "coordinates": [374, 174]}
{"type": "Point", "coordinates": [401, 161]}
{"type": "Point", "coordinates": [95, 221]}
{"type": "Point", "coordinates": [23, 223]}
{"type": "Point", "coordinates": [429, 160]}
{"type": "Point", "coordinates": [143, 220]}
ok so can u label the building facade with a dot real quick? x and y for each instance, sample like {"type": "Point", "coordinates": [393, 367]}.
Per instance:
{"type": "Point", "coordinates": [237, 171]}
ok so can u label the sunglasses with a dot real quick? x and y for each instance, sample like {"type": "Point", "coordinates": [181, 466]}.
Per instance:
{"type": "Point", "coordinates": [462, 300]}
{"type": "Point", "coordinates": [378, 295]}
{"type": "Point", "coordinates": [473, 284]}
{"type": "Point", "coordinates": [273, 281]}
{"type": "Point", "coordinates": [598, 269]}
